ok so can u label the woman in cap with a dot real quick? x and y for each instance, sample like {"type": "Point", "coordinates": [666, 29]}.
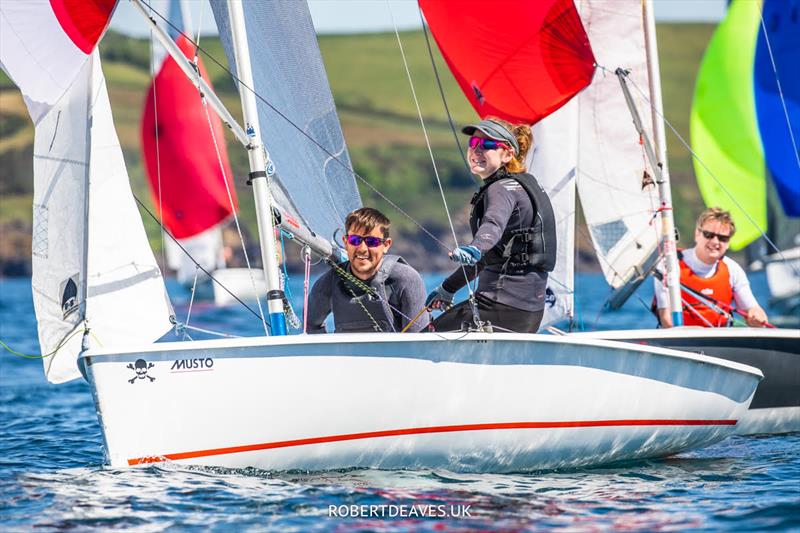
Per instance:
{"type": "Point", "coordinates": [513, 228]}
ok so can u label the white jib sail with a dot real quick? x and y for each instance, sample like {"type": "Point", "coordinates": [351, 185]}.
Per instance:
{"type": "Point", "coordinates": [92, 264]}
{"type": "Point", "coordinates": [619, 211]}
{"type": "Point", "coordinates": [553, 161]}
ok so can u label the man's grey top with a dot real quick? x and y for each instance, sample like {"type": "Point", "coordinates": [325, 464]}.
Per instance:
{"type": "Point", "coordinates": [508, 206]}
{"type": "Point", "coordinates": [397, 294]}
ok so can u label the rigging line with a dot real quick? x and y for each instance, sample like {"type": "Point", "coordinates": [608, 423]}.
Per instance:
{"type": "Point", "coordinates": [780, 88]}
{"type": "Point", "coordinates": [461, 150]}
{"type": "Point", "coordinates": [299, 129]}
{"type": "Point", "coordinates": [44, 356]}
{"type": "Point", "coordinates": [177, 242]}
{"type": "Point", "coordinates": [233, 209]}
{"type": "Point", "coordinates": [713, 176]}
{"type": "Point", "coordinates": [428, 143]}
{"type": "Point", "coordinates": [153, 74]}
{"type": "Point", "coordinates": [191, 301]}
{"type": "Point", "coordinates": [369, 290]}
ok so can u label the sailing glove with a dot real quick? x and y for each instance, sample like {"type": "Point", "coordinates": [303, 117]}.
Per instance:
{"type": "Point", "coordinates": [466, 255]}
{"type": "Point", "coordinates": [438, 298]}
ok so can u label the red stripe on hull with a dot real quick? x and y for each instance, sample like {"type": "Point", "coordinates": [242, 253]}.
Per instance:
{"type": "Point", "coordinates": [423, 430]}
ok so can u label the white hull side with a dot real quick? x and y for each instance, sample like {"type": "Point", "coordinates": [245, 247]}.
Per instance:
{"type": "Point", "coordinates": [769, 421]}
{"type": "Point", "coordinates": [484, 402]}
{"type": "Point", "coordinates": [775, 408]}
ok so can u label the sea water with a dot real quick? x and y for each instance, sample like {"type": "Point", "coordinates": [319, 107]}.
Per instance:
{"type": "Point", "coordinates": [53, 474]}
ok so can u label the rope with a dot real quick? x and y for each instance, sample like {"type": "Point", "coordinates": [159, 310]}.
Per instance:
{"type": "Point", "coordinates": [361, 285]}
{"type": "Point", "coordinates": [191, 300]}
{"type": "Point", "coordinates": [291, 316]}
{"type": "Point", "coordinates": [306, 278]}
{"type": "Point", "coordinates": [42, 356]}
{"type": "Point", "coordinates": [413, 320]}
{"type": "Point", "coordinates": [158, 152]}
{"type": "Point", "coordinates": [473, 303]}
{"type": "Point", "coordinates": [198, 265]}
{"type": "Point", "coordinates": [182, 327]}
{"type": "Point", "coordinates": [456, 137]}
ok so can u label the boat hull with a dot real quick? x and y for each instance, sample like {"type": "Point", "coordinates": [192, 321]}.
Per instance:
{"type": "Point", "coordinates": [776, 404]}
{"type": "Point", "coordinates": [480, 402]}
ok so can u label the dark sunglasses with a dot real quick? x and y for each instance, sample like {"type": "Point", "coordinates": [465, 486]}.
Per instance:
{"type": "Point", "coordinates": [487, 144]}
{"type": "Point", "coordinates": [372, 242]}
{"type": "Point", "coordinates": [710, 235]}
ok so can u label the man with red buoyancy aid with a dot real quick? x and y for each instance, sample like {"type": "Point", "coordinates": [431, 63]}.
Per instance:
{"type": "Point", "coordinates": [706, 271]}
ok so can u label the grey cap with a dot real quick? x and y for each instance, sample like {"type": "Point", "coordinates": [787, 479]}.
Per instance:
{"type": "Point", "coordinates": [493, 130]}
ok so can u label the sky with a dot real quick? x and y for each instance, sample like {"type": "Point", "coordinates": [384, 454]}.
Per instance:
{"type": "Point", "coordinates": [358, 16]}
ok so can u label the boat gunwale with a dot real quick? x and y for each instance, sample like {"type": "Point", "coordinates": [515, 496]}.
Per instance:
{"type": "Point", "coordinates": [371, 338]}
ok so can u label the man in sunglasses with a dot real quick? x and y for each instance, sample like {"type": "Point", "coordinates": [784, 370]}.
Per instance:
{"type": "Point", "coordinates": [371, 291]}
{"type": "Point", "coordinates": [718, 279]}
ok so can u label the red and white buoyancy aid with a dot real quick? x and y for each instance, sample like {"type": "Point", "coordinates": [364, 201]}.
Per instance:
{"type": "Point", "coordinates": [717, 289]}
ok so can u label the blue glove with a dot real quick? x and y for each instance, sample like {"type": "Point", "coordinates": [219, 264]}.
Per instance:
{"type": "Point", "coordinates": [466, 255]}
{"type": "Point", "coordinates": [439, 297]}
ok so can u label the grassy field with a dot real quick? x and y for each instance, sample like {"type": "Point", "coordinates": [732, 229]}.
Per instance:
{"type": "Point", "coordinates": [378, 116]}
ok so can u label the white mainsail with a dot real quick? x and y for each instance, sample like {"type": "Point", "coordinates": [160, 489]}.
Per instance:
{"type": "Point", "coordinates": [92, 264]}
{"type": "Point", "coordinates": [618, 207]}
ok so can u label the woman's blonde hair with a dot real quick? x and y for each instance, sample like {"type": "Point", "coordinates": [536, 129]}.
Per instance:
{"type": "Point", "coordinates": [524, 137]}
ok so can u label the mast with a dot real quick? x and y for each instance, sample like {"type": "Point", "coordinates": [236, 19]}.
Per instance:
{"type": "Point", "coordinates": [259, 167]}
{"type": "Point", "coordinates": [662, 174]}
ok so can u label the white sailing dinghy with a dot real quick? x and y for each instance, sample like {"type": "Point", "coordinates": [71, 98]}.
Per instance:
{"type": "Point", "coordinates": [591, 144]}
{"type": "Point", "coordinates": [593, 140]}
{"type": "Point", "coordinates": [474, 401]}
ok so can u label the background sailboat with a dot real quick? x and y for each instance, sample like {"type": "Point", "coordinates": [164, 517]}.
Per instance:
{"type": "Point", "coordinates": [745, 126]}
{"type": "Point", "coordinates": [190, 177]}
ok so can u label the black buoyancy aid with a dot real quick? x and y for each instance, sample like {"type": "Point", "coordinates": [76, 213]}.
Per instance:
{"type": "Point", "coordinates": [532, 247]}
{"type": "Point", "coordinates": [358, 310]}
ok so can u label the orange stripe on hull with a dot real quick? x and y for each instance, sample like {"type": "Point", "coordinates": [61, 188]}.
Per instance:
{"type": "Point", "coordinates": [423, 430]}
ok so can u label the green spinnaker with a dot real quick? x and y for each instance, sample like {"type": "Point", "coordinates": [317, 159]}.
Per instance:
{"type": "Point", "coordinates": [723, 125]}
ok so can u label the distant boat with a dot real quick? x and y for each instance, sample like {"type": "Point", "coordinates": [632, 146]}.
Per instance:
{"type": "Point", "coordinates": [745, 126]}
{"type": "Point", "coordinates": [623, 225]}
{"type": "Point", "coordinates": [186, 162]}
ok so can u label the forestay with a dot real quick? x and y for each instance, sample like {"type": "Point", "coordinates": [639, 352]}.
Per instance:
{"type": "Point", "coordinates": [312, 162]}
{"type": "Point", "coordinates": [91, 258]}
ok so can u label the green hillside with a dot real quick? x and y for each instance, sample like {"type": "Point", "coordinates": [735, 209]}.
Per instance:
{"type": "Point", "coordinates": [378, 116]}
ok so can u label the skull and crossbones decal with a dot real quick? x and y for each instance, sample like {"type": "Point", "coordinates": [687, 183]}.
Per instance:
{"type": "Point", "coordinates": [140, 367]}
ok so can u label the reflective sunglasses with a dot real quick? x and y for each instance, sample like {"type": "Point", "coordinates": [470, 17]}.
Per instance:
{"type": "Point", "coordinates": [372, 242]}
{"type": "Point", "coordinates": [710, 235]}
{"type": "Point", "coordinates": [487, 144]}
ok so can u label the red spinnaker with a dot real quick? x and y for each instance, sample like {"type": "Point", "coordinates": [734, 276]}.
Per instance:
{"type": "Point", "coordinates": [192, 183]}
{"type": "Point", "coordinates": [84, 21]}
{"type": "Point", "coordinates": [518, 60]}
